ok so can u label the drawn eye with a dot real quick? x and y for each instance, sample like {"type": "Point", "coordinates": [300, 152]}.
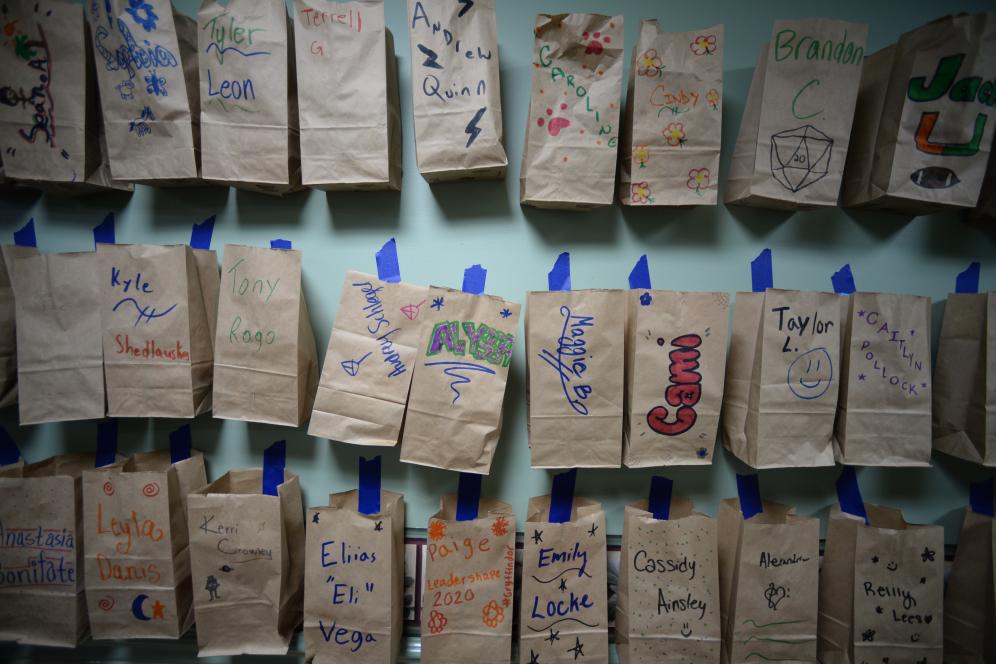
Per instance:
{"type": "Point", "coordinates": [934, 177]}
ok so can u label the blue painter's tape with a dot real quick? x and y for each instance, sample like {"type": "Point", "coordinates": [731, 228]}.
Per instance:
{"type": "Point", "coordinates": [559, 278]}
{"type": "Point", "coordinates": [639, 276]}
{"type": "Point", "coordinates": [761, 273]}
{"type": "Point", "coordinates": [468, 496]}
{"type": "Point", "coordinates": [25, 235]}
{"type": "Point", "coordinates": [980, 495]}
{"type": "Point", "coordinates": [750, 495]}
{"type": "Point", "coordinates": [473, 279]}
{"type": "Point", "coordinates": [659, 503]}
{"type": "Point", "coordinates": [562, 496]}
{"type": "Point", "coordinates": [274, 462]}
{"type": "Point", "coordinates": [200, 234]}
{"type": "Point", "coordinates": [180, 444]}
{"type": "Point", "coordinates": [843, 281]}
{"type": "Point", "coordinates": [107, 443]}
{"type": "Point", "coordinates": [280, 244]}
{"type": "Point", "coordinates": [103, 233]}
{"type": "Point", "coordinates": [387, 262]}
{"type": "Point", "coordinates": [369, 493]}
{"type": "Point", "coordinates": [968, 281]}
{"type": "Point", "coordinates": [8, 449]}
{"type": "Point", "coordinates": [849, 493]}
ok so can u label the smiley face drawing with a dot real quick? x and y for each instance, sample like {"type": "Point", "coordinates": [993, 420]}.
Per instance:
{"type": "Point", "coordinates": [810, 374]}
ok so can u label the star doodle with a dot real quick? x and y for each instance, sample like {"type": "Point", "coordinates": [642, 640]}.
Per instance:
{"type": "Point", "coordinates": [861, 376]}
{"type": "Point", "coordinates": [592, 530]}
{"type": "Point", "coordinates": [927, 555]}
{"type": "Point", "coordinates": [554, 636]}
{"type": "Point", "coordinates": [437, 303]}
{"type": "Point", "coordinates": [533, 657]}
{"type": "Point", "coordinates": [578, 648]}
{"type": "Point", "coordinates": [879, 610]}
{"type": "Point", "coordinates": [875, 559]}
{"type": "Point", "coordinates": [563, 585]}
{"type": "Point", "coordinates": [379, 526]}
{"type": "Point", "coordinates": [505, 313]}
{"type": "Point", "coordinates": [157, 610]}
{"type": "Point", "coordinates": [702, 453]}
{"type": "Point", "coordinates": [868, 635]}
{"type": "Point", "coordinates": [646, 299]}
{"type": "Point", "coordinates": [314, 519]}
{"type": "Point", "coordinates": [861, 314]}
{"type": "Point", "coordinates": [537, 536]}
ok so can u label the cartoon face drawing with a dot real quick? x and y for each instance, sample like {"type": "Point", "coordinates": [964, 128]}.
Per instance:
{"type": "Point", "coordinates": [810, 374]}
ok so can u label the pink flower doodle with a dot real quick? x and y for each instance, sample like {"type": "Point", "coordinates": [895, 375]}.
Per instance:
{"type": "Point", "coordinates": [674, 134]}
{"type": "Point", "coordinates": [640, 193]}
{"type": "Point", "coordinates": [704, 45]}
{"type": "Point", "coordinates": [650, 64]}
{"type": "Point", "coordinates": [698, 179]}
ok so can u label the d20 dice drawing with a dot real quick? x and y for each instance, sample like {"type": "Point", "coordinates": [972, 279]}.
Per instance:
{"type": "Point", "coordinates": [800, 156]}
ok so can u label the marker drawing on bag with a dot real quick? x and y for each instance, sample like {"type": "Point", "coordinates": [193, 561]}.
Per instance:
{"type": "Point", "coordinates": [570, 359]}
{"type": "Point", "coordinates": [259, 288]}
{"type": "Point", "coordinates": [886, 354]}
{"type": "Point", "coordinates": [50, 558]}
{"type": "Point", "coordinates": [380, 328]}
{"type": "Point", "coordinates": [684, 390]}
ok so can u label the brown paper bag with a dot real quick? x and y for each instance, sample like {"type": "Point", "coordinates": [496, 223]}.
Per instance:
{"type": "Point", "coordinates": [964, 407]}
{"type": "Point", "coordinates": [781, 379]}
{"type": "Point", "coordinates": [265, 364]}
{"type": "Point", "coordinates": [924, 124]}
{"type": "Point", "coordinates": [148, 100]}
{"type": "Point", "coordinates": [881, 589]}
{"type": "Point", "coordinates": [350, 139]}
{"type": "Point", "coordinates": [137, 560]}
{"type": "Point", "coordinates": [158, 358]}
{"type": "Point", "coordinates": [969, 614]}
{"type": "Point", "coordinates": [456, 94]}
{"type": "Point", "coordinates": [796, 126]}
{"type": "Point", "coordinates": [569, 158]}
{"type": "Point", "coordinates": [668, 607]}
{"type": "Point", "coordinates": [673, 121]}
{"type": "Point", "coordinates": [41, 561]}
{"type": "Point", "coordinates": [675, 362]}
{"type": "Point", "coordinates": [986, 208]}
{"type": "Point", "coordinates": [248, 105]}
{"type": "Point", "coordinates": [575, 349]}
{"type": "Point", "coordinates": [354, 566]}
{"type": "Point", "coordinates": [455, 404]}
{"type": "Point", "coordinates": [60, 371]}
{"type": "Point", "coordinates": [768, 575]}
{"type": "Point", "coordinates": [8, 329]}
{"type": "Point", "coordinates": [883, 412]}
{"type": "Point", "coordinates": [369, 362]}
{"type": "Point", "coordinates": [564, 585]}
{"type": "Point", "coordinates": [467, 601]}
{"type": "Point", "coordinates": [247, 564]}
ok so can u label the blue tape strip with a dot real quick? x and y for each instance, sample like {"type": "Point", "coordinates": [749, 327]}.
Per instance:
{"type": "Point", "coordinates": [200, 234]}
{"type": "Point", "coordinates": [103, 233]}
{"type": "Point", "coordinates": [274, 462]}
{"type": "Point", "coordinates": [107, 443]}
{"type": "Point", "coordinates": [843, 281]}
{"type": "Point", "coordinates": [369, 493]}
{"type": "Point", "coordinates": [8, 448]}
{"type": "Point", "coordinates": [761, 273]}
{"type": "Point", "coordinates": [968, 281]}
{"type": "Point", "coordinates": [750, 495]}
{"type": "Point", "coordinates": [562, 496]}
{"type": "Point", "coordinates": [559, 278]}
{"type": "Point", "coordinates": [473, 279]}
{"type": "Point", "coordinates": [25, 235]}
{"type": "Point", "coordinates": [639, 276]}
{"type": "Point", "coordinates": [468, 496]}
{"type": "Point", "coordinates": [387, 262]}
{"type": "Point", "coordinates": [659, 503]}
{"type": "Point", "coordinates": [980, 497]}
{"type": "Point", "coordinates": [180, 444]}
{"type": "Point", "coordinates": [280, 244]}
{"type": "Point", "coordinates": [849, 493]}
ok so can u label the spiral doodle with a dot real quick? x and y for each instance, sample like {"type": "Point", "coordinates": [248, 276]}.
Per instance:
{"type": "Point", "coordinates": [108, 488]}
{"type": "Point", "coordinates": [150, 490]}
{"type": "Point", "coordinates": [106, 603]}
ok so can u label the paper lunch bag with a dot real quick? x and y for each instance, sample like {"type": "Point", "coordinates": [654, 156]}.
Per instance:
{"type": "Point", "coordinates": [247, 564]}
{"type": "Point", "coordinates": [265, 361]}
{"type": "Point", "coordinates": [370, 360]}
{"type": "Point", "coordinates": [969, 613]}
{"type": "Point", "coordinates": [923, 129]}
{"type": "Point", "coordinates": [148, 97]}
{"type": "Point", "coordinates": [456, 94]}
{"type": "Point", "coordinates": [468, 597]}
{"type": "Point", "coordinates": [350, 139]}
{"type": "Point", "coordinates": [569, 158]}
{"type": "Point", "coordinates": [354, 590]}
{"type": "Point", "coordinates": [673, 120]}
{"type": "Point", "coordinates": [780, 394]}
{"type": "Point", "coordinates": [883, 416]}
{"type": "Point", "coordinates": [881, 589]}
{"type": "Point", "coordinates": [42, 600]}
{"type": "Point", "coordinates": [964, 408]}
{"type": "Point", "coordinates": [455, 405]}
{"type": "Point", "coordinates": [796, 126]}
{"type": "Point", "coordinates": [575, 349]}
{"type": "Point", "coordinates": [675, 368]}
{"type": "Point", "coordinates": [8, 329]}
{"type": "Point", "coordinates": [248, 108]}
{"type": "Point", "coordinates": [564, 585]}
{"type": "Point", "coordinates": [986, 208]}
{"type": "Point", "coordinates": [60, 370]}
{"type": "Point", "coordinates": [158, 358]}
{"type": "Point", "coordinates": [668, 607]}
{"type": "Point", "coordinates": [768, 575]}
{"type": "Point", "coordinates": [137, 558]}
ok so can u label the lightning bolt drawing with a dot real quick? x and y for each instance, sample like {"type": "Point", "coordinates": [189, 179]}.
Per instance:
{"type": "Point", "coordinates": [467, 4]}
{"type": "Point", "coordinates": [453, 370]}
{"type": "Point", "coordinates": [472, 130]}
{"type": "Point", "coordinates": [430, 57]}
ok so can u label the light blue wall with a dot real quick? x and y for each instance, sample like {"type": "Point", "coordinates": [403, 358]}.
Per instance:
{"type": "Point", "coordinates": [442, 229]}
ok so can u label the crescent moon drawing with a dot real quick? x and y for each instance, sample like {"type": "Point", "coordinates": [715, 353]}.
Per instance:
{"type": "Point", "coordinates": [136, 607]}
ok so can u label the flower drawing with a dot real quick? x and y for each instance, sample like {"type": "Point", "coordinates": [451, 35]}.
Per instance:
{"type": "Point", "coordinates": [437, 530]}
{"type": "Point", "coordinates": [698, 179]}
{"type": "Point", "coordinates": [493, 615]}
{"type": "Point", "coordinates": [437, 622]}
{"type": "Point", "coordinates": [712, 98]}
{"type": "Point", "coordinates": [642, 155]}
{"type": "Point", "coordinates": [143, 14]}
{"type": "Point", "coordinates": [500, 527]}
{"type": "Point", "coordinates": [704, 45]}
{"type": "Point", "coordinates": [650, 64]}
{"type": "Point", "coordinates": [640, 193]}
{"type": "Point", "coordinates": [674, 134]}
